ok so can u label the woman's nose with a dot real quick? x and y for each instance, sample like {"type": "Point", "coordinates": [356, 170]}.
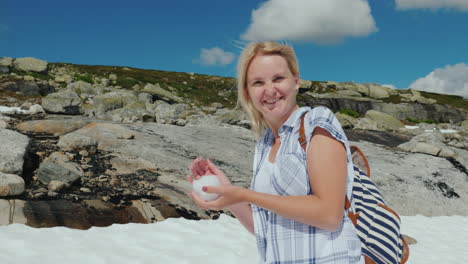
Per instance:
{"type": "Point", "coordinates": [270, 88]}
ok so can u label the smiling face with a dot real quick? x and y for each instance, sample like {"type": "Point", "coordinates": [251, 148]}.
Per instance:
{"type": "Point", "coordinates": [272, 88]}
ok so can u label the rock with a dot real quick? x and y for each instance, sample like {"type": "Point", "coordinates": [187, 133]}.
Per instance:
{"type": "Point", "coordinates": [6, 62]}
{"type": "Point", "coordinates": [464, 124]}
{"type": "Point", "coordinates": [105, 82]}
{"type": "Point", "coordinates": [168, 114]}
{"type": "Point", "coordinates": [29, 64]}
{"type": "Point", "coordinates": [59, 168]}
{"type": "Point", "coordinates": [55, 127]}
{"type": "Point", "coordinates": [367, 124]}
{"type": "Point", "coordinates": [112, 77]}
{"type": "Point", "coordinates": [11, 184]}
{"type": "Point", "coordinates": [232, 117]}
{"type": "Point", "coordinates": [428, 143]}
{"type": "Point", "coordinates": [354, 87]}
{"type": "Point", "coordinates": [3, 124]}
{"type": "Point", "coordinates": [305, 85]}
{"type": "Point", "coordinates": [402, 177]}
{"type": "Point", "coordinates": [4, 69]}
{"type": "Point", "coordinates": [346, 121]}
{"type": "Point", "coordinates": [110, 101]}
{"type": "Point", "coordinates": [384, 121]}
{"type": "Point", "coordinates": [377, 91]}
{"type": "Point", "coordinates": [145, 98]}
{"type": "Point", "coordinates": [83, 89]}
{"type": "Point", "coordinates": [160, 93]}
{"type": "Point", "coordinates": [29, 78]}
{"type": "Point", "coordinates": [36, 109]}
{"type": "Point", "coordinates": [57, 186]}
{"type": "Point", "coordinates": [63, 102]}
{"type": "Point", "coordinates": [102, 135]}
{"type": "Point", "coordinates": [349, 93]}
{"type": "Point", "coordinates": [131, 113]}
{"type": "Point", "coordinates": [13, 149]}
{"type": "Point", "coordinates": [73, 141]}
{"type": "Point", "coordinates": [85, 190]}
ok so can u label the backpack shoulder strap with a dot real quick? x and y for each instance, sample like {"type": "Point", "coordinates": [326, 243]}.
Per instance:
{"type": "Point", "coordinates": [302, 137]}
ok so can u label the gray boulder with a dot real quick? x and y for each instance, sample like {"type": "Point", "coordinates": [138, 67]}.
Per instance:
{"type": "Point", "coordinates": [29, 64]}
{"type": "Point", "coordinates": [367, 124]}
{"type": "Point", "coordinates": [349, 93]}
{"type": "Point", "coordinates": [346, 121]}
{"type": "Point", "coordinates": [4, 69]}
{"type": "Point", "coordinates": [57, 167]}
{"type": "Point", "coordinates": [169, 114]}
{"type": "Point", "coordinates": [110, 101]}
{"type": "Point", "coordinates": [83, 89]}
{"type": "Point", "coordinates": [54, 127]}
{"type": "Point", "coordinates": [6, 61]}
{"type": "Point", "coordinates": [384, 121]}
{"type": "Point", "coordinates": [73, 141]}
{"type": "Point", "coordinates": [63, 102]}
{"type": "Point", "coordinates": [428, 143]}
{"type": "Point", "coordinates": [13, 148]}
{"type": "Point", "coordinates": [377, 91]}
{"type": "Point", "coordinates": [11, 184]}
{"type": "Point", "coordinates": [160, 93]}
{"type": "Point", "coordinates": [131, 113]}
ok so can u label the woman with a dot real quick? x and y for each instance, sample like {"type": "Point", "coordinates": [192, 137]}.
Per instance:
{"type": "Point", "coordinates": [294, 208]}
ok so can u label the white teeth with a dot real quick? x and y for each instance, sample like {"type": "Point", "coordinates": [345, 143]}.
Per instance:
{"type": "Point", "coordinates": [271, 102]}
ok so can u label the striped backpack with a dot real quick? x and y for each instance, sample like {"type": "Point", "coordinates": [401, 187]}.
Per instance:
{"type": "Point", "coordinates": [377, 226]}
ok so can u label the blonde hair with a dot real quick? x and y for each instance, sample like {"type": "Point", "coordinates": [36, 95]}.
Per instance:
{"type": "Point", "coordinates": [248, 54]}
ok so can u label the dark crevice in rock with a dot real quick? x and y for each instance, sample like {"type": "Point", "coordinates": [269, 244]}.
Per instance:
{"type": "Point", "coordinates": [446, 190]}
{"type": "Point", "coordinates": [458, 166]}
{"type": "Point", "coordinates": [377, 137]}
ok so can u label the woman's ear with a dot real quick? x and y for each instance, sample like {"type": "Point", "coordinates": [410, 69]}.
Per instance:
{"type": "Point", "coordinates": [297, 79]}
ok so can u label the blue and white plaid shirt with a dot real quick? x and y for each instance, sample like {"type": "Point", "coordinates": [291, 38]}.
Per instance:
{"type": "Point", "coordinates": [282, 240]}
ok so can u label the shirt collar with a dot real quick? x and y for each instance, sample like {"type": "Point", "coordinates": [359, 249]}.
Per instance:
{"type": "Point", "coordinates": [293, 119]}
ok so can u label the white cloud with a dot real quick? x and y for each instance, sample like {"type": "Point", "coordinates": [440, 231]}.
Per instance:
{"type": "Point", "coordinates": [215, 57]}
{"type": "Point", "coordinates": [318, 21]}
{"type": "Point", "coordinates": [432, 4]}
{"type": "Point", "coordinates": [453, 79]}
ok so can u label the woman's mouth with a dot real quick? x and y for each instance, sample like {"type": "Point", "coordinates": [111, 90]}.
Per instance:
{"type": "Point", "coordinates": [271, 101]}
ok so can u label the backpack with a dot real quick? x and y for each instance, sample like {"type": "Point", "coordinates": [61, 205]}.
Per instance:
{"type": "Point", "coordinates": [377, 226]}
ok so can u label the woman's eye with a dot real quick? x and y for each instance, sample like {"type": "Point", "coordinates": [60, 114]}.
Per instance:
{"type": "Point", "coordinates": [279, 78]}
{"type": "Point", "coordinates": [257, 83]}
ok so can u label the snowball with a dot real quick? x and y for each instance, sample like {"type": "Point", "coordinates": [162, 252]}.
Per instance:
{"type": "Point", "coordinates": [207, 180]}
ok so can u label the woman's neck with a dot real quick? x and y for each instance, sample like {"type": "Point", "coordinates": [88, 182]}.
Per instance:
{"type": "Point", "coordinates": [275, 125]}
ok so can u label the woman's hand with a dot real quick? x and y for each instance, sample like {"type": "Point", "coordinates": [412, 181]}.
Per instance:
{"type": "Point", "coordinates": [199, 168]}
{"type": "Point", "coordinates": [228, 195]}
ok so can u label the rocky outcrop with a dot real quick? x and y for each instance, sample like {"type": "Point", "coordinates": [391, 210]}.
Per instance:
{"type": "Point", "coordinates": [54, 127]}
{"type": "Point", "coordinates": [430, 143]}
{"type": "Point", "coordinates": [384, 121]}
{"type": "Point", "coordinates": [13, 151]}
{"type": "Point", "coordinates": [30, 64]}
{"type": "Point", "coordinates": [160, 93]}
{"type": "Point", "coordinates": [58, 167]}
{"type": "Point", "coordinates": [63, 102]}
{"type": "Point", "coordinates": [11, 184]}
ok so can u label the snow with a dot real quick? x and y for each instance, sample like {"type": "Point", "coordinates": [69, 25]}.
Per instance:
{"type": "Point", "coordinates": [441, 239]}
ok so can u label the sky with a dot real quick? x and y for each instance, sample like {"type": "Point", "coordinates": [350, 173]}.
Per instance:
{"type": "Point", "coordinates": [420, 44]}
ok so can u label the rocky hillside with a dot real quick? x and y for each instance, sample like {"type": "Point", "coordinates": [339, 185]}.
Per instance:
{"type": "Point", "coordinates": [94, 145]}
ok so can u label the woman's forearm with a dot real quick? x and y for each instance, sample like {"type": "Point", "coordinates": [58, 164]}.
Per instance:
{"type": "Point", "coordinates": [307, 209]}
{"type": "Point", "coordinates": [243, 213]}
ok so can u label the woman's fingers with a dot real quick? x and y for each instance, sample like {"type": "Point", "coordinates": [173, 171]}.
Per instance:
{"type": "Point", "coordinates": [213, 168]}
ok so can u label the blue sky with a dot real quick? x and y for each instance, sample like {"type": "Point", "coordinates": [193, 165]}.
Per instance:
{"type": "Point", "coordinates": [405, 43]}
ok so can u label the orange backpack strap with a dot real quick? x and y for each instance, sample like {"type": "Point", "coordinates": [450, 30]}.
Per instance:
{"type": "Point", "coordinates": [360, 160]}
{"type": "Point", "coordinates": [302, 137]}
